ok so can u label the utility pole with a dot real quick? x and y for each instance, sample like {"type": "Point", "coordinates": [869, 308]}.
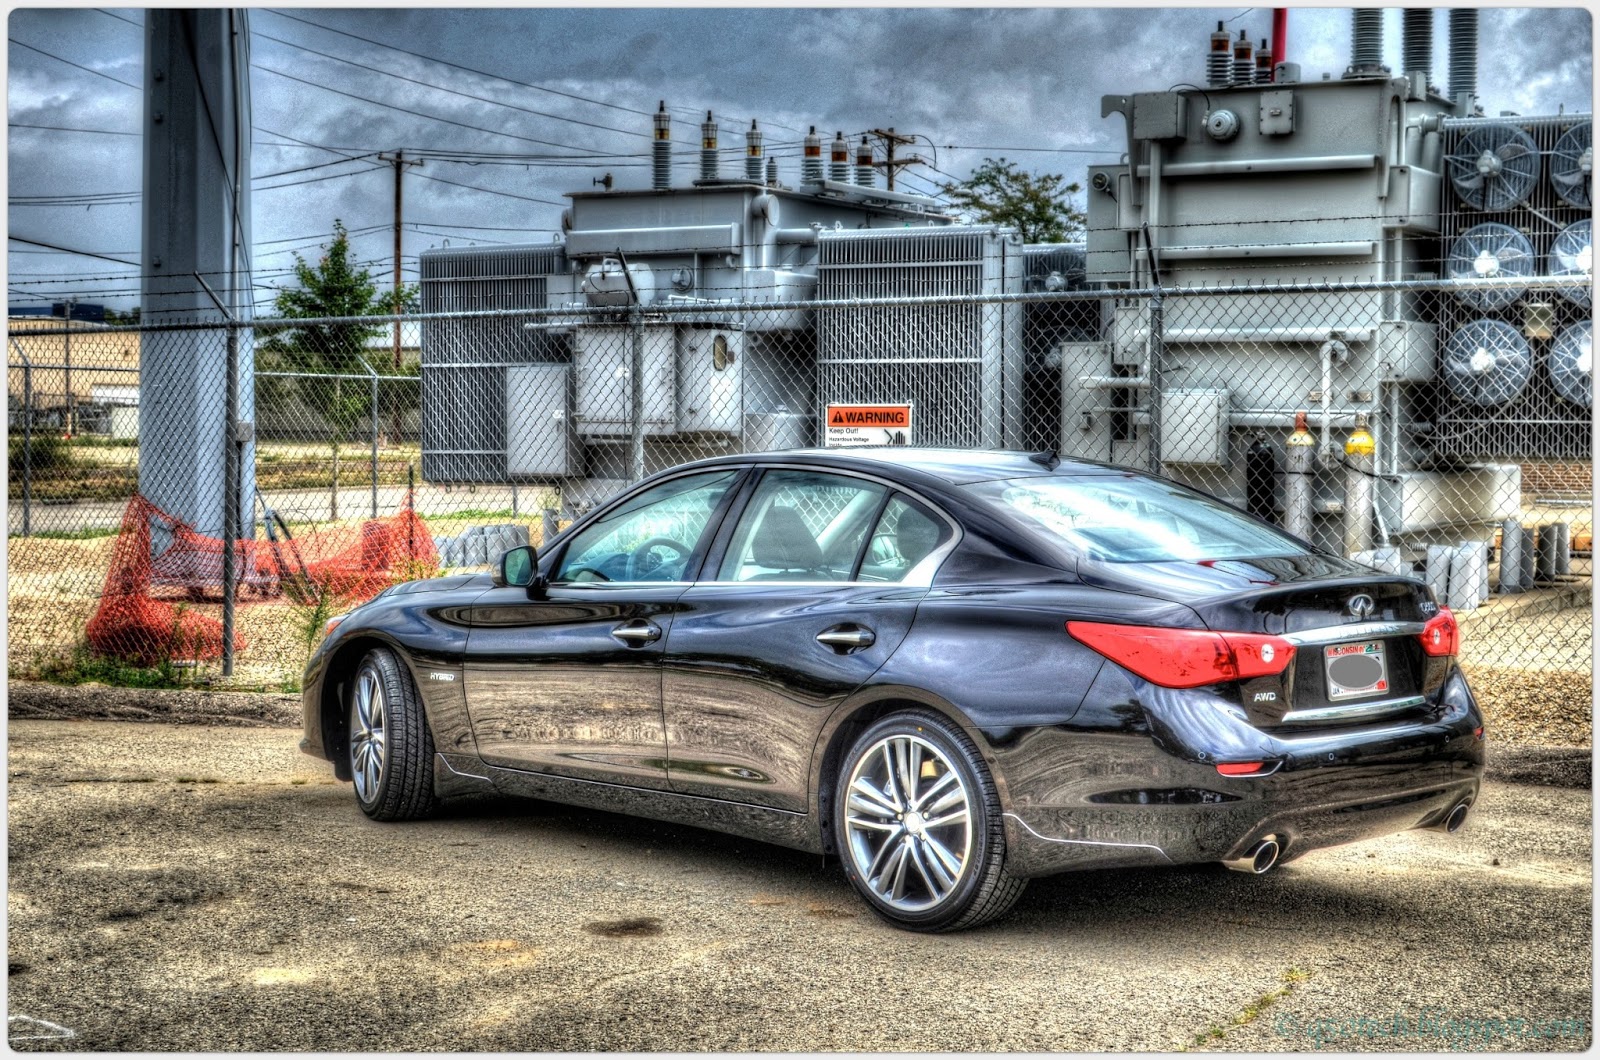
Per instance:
{"type": "Point", "coordinates": [890, 164]}
{"type": "Point", "coordinates": [399, 161]}
{"type": "Point", "coordinates": [66, 357]}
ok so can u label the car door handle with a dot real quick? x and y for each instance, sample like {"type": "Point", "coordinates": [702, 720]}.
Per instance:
{"type": "Point", "coordinates": [846, 638]}
{"type": "Point", "coordinates": [638, 632]}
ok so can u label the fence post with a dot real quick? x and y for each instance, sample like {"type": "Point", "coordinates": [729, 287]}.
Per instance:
{"type": "Point", "coordinates": [27, 440]}
{"type": "Point", "coordinates": [636, 400]}
{"type": "Point", "coordinates": [372, 417]}
{"type": "Point", "coordinates": [1156, 380]}
{"type": "Point", "coordinates": [230, 500]}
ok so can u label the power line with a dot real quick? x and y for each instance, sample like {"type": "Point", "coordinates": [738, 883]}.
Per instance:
{"type": "Point", "coordinates": [80, 66]}
{"type": "Point", "coordinates": [63, 128]}
{"type": "Point", "coordinates": [407, 110]}
{"type": "Point", "coordinates": [452, 91]}
{"type": "Point", "coordinates": [69, 250]}
{"type": "Point", "coordinates": [458, 66]}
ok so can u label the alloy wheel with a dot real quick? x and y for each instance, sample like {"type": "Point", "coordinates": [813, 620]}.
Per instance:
{"type": "Point", "coordinates": [908, 816]}
{"type": "Point", "coordinates": [367, 735]}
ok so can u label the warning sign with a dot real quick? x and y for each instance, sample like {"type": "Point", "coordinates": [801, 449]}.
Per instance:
{"type": "Point", "coordinates": [844, 426]}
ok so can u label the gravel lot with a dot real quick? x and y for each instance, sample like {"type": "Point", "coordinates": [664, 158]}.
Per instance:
{"type": "Point", "coordinates": [199, 887]}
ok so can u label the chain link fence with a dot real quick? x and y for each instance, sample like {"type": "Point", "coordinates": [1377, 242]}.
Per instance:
{"type": "Point", "coordinates": [1432, 428]}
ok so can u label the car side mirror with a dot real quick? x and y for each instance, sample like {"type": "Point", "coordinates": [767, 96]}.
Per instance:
{"type": "Point", "coordinates": [517, 567]}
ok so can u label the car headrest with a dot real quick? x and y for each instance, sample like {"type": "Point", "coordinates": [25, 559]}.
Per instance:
{"type": "Point", "coordinates": [915, 537]}
{"type": "Point", "coordinates": [783, 542]}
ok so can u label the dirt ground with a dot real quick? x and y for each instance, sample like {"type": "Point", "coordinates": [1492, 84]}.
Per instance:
{"type": "Point", "coordinates": [207, 887]}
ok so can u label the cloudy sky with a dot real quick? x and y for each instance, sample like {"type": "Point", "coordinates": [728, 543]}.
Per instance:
{"type": "Point", "coordinates": [547, 100]}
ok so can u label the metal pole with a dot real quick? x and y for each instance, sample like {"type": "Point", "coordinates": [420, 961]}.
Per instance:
{"type": "Point", "coordinates": [1157, 381]}
{"type": "Point", "coordinates": [636, 399]}
{"type": "Point", "coordinates": [27, 441]}
{"type": "Point", "coordinates": [372, 416]}
{"type": "Point", "coordinates": [230, 501]}
{"type": "Point", "coordinates": [66, 358]}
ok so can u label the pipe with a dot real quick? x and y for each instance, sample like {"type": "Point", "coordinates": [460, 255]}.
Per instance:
{"type": "Point", "coordinates": [661, 150]}
{"type": "Point", "coordinates": [1464, 58]}
{"type": "Point", "coordinates": [1260, 858]}
{"type": "Point", "coordinates": [1280, 34]}
{"type": "Point", "coordinates": [1457, 817]}
{"type": "Point", "coordinates": [1416, 43]}
{"type": "Point", "coordinates": [752, 154]}
{"type": "Point", "coordinates": [1358, 493]}
{"type": "Point", "coordinates": [1331, 351]}
{"type": "Point", "coordinates": [1299, 453]}
{"type": "Point", "coordinates": [708, 148]}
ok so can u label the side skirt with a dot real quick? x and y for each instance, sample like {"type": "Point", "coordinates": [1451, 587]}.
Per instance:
{"type": "Point", "coordinates": [763, 823]}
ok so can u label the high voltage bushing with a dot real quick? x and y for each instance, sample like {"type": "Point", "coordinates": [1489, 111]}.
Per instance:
{"type": "Point", "coordinates": [1264, 63]}
{"type": "Point", "coordinates": [1244, 60]}
{"type": "Point", "coordinates": [839, 160]}
{"type": "Point", "coordinates": [864, 172]}
{"type": "Point", "coordinates": [1219, 59]}
{"type": "Point", "coordinates": [661, 150]}
{"type": "Point", "coordinates": [752, 153]}
{"type": "Point", "coordinates": [1366, 41]}
{"type": "Point", "coordinates": [1416, 41]}
{"type": "Point", "coordinates": [811, 160]}
{"type": "Point", "coordinates": [708, 148]}
{"type": "Point", "coordinates": [1463, 52]}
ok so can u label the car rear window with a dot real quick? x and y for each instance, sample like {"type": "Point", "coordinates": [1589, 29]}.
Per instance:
{"type": "Point", "coordinates": [1135, 519]}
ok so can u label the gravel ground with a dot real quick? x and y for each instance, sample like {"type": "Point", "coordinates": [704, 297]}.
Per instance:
{"type": "Point", "coordinates": [213, 889]}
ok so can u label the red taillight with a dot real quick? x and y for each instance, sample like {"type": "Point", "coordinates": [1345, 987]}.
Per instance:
{"type": "Point", "coordinates": [1441, 636]}
{"type": "Point", "coordinates": [1239, 769]}
{"type": "Point", "coordinates": [1186, 658]}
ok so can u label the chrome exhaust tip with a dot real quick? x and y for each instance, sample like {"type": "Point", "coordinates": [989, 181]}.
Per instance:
{"type": "Point", "coordinates": [1456, 818]}
{"type": "Point", "coordinates": [1262, 857]}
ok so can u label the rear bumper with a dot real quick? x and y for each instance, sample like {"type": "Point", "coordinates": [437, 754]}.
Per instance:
{"type": "Point", "coordinates": [1150, 794]}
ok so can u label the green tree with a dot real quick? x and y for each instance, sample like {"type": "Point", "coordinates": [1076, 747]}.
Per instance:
{"type": "Point", "coordinates": [322, 352]}
{"type": "Point", "coordinates": [1037, 205]}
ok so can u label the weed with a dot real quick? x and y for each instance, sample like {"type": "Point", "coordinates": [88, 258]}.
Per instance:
{"type": "Point", "coordinates": [198, 780]}
{"type": "Point", "coordinates": [297, 781]}
{"type": "Point", "coordinates": [1252, 1012]}
{"type": "Point", "coordinates": [83, 666]}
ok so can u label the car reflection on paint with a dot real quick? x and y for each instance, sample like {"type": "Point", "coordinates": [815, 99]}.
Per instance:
{"type": "Point", "coordinates": [953, 670]}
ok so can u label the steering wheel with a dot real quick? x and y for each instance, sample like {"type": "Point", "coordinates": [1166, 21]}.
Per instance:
{"type": "Point", "coordinates": [571, 573]}
{"type": "Point", "coordinates": [637, 558]}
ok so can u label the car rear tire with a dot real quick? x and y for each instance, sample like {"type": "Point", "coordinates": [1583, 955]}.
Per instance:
{"type": "Point", "coordinates": [390, 747]}
{"type": "Point", "coordinates": [919, 826]}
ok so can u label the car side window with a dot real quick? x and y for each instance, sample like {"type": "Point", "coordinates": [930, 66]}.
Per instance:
{"type": "Point", "coordinates": [802, 526]}
{"type": "Point", "coordinates": [905, 535]}
{"type": "Point", "coordinates": [649, 537]}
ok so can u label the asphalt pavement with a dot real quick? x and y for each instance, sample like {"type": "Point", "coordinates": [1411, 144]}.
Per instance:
{"type": "Point", "coordinates": [210, 888]}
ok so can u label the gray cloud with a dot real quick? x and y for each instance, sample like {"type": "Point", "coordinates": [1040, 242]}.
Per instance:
{"type": "Point", "coordinates": [971, 81]}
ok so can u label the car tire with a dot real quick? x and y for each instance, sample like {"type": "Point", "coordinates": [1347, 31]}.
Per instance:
{"type": "Point", "coordinates": [919, 782]}
{"type": "Point", "coordinates": [390, 749]}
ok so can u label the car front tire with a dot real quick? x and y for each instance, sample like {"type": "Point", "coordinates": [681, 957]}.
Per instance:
{"type": "Point", "coordinates": [919, 826]}
{"type": "Point", "coordinates": [390, 747]}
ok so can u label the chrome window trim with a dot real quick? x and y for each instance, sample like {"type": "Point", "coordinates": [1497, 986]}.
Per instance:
{"type": "Point", "coordinates": [1352, 712]}
{"type": "Point", "coordinates": [1354, 631]}
{"type": "Point", "coordinates": [919, 577]}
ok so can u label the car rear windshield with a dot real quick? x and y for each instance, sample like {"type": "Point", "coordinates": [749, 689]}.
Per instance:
{"type": "Point", "coordinates": [1135, 519]}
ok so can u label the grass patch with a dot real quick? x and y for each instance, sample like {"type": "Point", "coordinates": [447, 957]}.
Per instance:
{"type": "Point", "coordinates": [87, 534]}
{"type": "Point", "coordinates": [82, 667]}
{"type": "Point", "coordinates": [1291, 981]}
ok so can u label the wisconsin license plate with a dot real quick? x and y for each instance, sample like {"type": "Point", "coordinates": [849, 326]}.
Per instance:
{"type": "Point", "coordinates": [1356, 670]}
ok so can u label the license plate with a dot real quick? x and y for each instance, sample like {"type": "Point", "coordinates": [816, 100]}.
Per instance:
{"type": "Point", "coordinates": [1356, 670]}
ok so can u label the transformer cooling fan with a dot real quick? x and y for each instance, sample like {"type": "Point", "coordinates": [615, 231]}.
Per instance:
{"type": "Point", "coordinates": [1490, 251]}
{"type": "Point", "coordinates": [1572, 165]}
{"type": "Point", "coordinates": [1494, 167]}
{"type": "Point", "coordinates": [1572, 363]}
{"type": "Point", "coordinates": [1487, 363]}
{"type": "Point", "coordinates": [1572, 254]}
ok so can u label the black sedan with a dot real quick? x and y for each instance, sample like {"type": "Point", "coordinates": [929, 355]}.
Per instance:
{"type": "Point", "coordinates": [954, 670]}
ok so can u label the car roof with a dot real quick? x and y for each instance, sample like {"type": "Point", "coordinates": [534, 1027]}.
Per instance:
{"type": "Point", "coordinates": [955, 467]}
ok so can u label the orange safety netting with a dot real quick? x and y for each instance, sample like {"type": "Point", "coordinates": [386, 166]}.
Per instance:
{"type": "Point", "coordinates": [137, 619]}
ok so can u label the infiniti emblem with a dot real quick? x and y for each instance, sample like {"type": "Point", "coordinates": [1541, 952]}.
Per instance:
{"type": "Point", "coordinates": [1361, 606]}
